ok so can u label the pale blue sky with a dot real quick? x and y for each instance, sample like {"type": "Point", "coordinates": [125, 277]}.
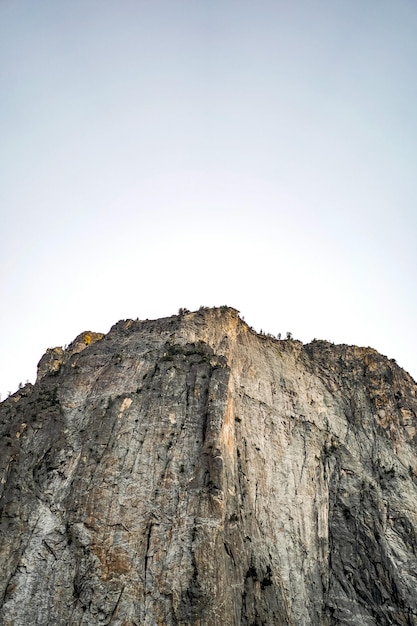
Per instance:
{"type": "Point", "coordinates": [163, 154]}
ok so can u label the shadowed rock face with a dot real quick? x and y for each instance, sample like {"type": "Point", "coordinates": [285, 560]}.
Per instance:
{"type": "Point", "coordinates": [187, 471]}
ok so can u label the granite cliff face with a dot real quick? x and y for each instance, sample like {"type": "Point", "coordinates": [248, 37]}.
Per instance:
{"type": "Point", "coordinates": [187, 471]}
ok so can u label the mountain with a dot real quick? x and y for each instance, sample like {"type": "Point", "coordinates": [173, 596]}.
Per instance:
{"type": "Point", "coordinates": [189, 471]}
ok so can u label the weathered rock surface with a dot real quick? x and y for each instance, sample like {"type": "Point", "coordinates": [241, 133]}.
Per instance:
{"type": "Point", "coordinates": [189, 471]}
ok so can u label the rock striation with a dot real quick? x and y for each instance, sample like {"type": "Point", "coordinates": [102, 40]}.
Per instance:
{"type": "Point", "coordinates": [188, 471]}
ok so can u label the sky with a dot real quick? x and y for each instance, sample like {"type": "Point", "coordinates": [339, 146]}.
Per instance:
{"type": "Point", "coordinates": [162, 154]}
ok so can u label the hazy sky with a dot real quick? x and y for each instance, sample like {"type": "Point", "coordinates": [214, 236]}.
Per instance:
{"type": "Point", "coordinates": [165, 154]}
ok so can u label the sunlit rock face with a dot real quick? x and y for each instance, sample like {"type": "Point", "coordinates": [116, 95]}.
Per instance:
{"type": "Point", "coordinates": [188, 471]}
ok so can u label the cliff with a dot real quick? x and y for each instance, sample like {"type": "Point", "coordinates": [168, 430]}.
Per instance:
{"type": "Point", "coordinates": [188, 471]}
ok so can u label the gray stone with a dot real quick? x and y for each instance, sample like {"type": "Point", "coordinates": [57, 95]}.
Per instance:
{"type": "Point", "coordinates": [188, 471]}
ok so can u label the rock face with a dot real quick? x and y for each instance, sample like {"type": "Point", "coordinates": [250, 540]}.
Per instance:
{"type": "Point", "coordinates": [187, 471]}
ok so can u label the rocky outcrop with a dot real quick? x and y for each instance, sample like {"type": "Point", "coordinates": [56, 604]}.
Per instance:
{"type": "Point", "coordinates": [188, 471]}
{"type": "Point", "coordinates": [55, 358]}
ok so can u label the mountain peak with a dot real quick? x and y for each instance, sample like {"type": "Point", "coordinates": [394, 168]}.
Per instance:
{"type": "Point", "coordinates": [189, 470]}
